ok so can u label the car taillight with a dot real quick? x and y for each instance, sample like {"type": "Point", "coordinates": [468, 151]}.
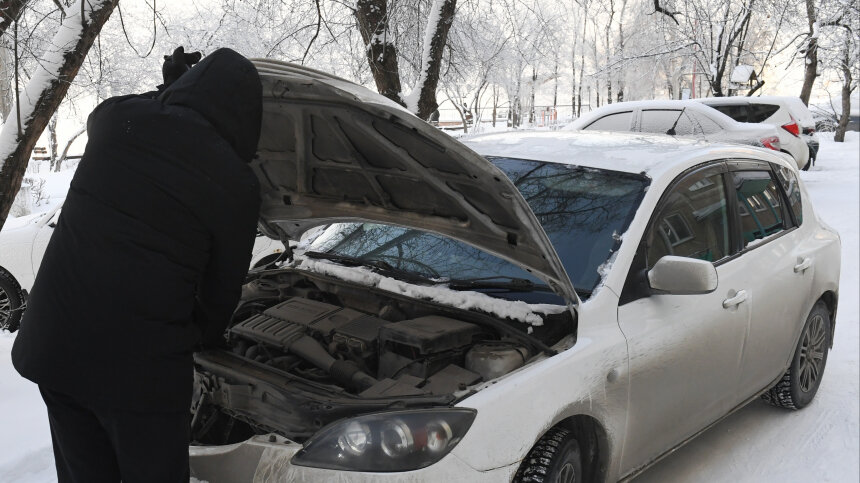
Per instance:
{"type": "Point", "coordinates": [792, 127]}
{"type": "Point", "coordinates": [771, 142]}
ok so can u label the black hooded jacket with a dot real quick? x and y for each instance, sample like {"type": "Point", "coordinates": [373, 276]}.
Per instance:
{"type": "Point", "coordinates": [153, 242]}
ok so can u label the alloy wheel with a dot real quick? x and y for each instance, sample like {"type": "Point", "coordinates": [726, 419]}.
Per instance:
{"type": "Point", "coordinates": [812, 349]}
{"type": "Point", "coordinates": [5, 309]}
{"type": "Point", "coordinates": [567, 474]}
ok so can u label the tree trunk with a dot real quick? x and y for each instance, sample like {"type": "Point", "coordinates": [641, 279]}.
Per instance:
{"type": "Point", "coordinates": [372, 16]}
{"type": "Point", "coordinates": [532, 99]}
{"type": "Point", "coordinates": [435, 38]}
{"type": "Point", "coordinates": [46, 90]}
{"type": "Point", "coordinates": [847, 78]}
{"type": "Point", "coordinates": [7, 87]}
{"type": "Point", "coordinates": [810, 71]}
{"type": "Point", "coordinates": [10, 10]}
{"type": "Point", "coordinates": [65, 153]}
{"type": "Point", "coordinates": [52, 140]}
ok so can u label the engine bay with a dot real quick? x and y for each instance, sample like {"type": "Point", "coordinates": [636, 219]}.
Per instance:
{"type": "Point", "coordinates": [304, 350]}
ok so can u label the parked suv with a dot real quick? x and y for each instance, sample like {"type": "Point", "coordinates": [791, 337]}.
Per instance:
{"type": "Point", "coordinates": [794, 122]}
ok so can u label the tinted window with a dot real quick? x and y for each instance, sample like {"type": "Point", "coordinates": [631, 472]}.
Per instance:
{"type": "Point", "coordinates": [760, 112]}
{"type": "Point", "coordinates": [661, 120]}
{"type": "Point", "coordinates": [692, 221]}
{"type": "Point", "coordinates": [760, 206]}
{"type": "Point", "coordinates": [738, 112]}
{"type": "Point", "coordinates": [612, 122]}
{"type": "Point", "coordinates": [789, 183]}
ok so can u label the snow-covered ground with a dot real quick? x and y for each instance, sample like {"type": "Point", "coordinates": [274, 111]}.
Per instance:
{"type": "Point", "coordinates": [757, 443]}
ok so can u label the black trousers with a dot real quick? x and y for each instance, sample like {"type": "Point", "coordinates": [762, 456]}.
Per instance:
{"type": "Point", "coordinates": [95, 445]}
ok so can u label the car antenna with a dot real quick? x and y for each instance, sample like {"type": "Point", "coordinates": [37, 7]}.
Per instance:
{"type": "Point", "coordinates": [671, 130]}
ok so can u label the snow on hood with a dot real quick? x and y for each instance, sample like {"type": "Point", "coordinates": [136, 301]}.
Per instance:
{"type": "Point", "coordinates": [331, 151]}
{"type": "Point", "coordinates": [467, 300]}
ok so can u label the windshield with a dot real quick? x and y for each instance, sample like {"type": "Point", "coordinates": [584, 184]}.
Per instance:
{"type": "Point", "coordinates": [583, 211]}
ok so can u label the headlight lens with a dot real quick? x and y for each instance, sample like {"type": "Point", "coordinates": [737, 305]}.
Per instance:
{"type": "Point", "coordinates": [389, 441]}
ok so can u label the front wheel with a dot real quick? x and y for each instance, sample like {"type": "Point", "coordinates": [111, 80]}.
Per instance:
{"type": "Point", "coordinates": [800, 382]}
{"type": "Point", "coordinates": [554, 458]}
{"type": "Point", "coordinates": [11, 302]}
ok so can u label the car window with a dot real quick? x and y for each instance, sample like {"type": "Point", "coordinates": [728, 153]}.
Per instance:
{"type": "Point", "coordinates": [789, 183]}
{"type": "Point", "coordinates": [760, 206]}
{"type": "Point", "coordinates": [708, 126]}
{"type": "Point", "coordinates": [692, 221]}
{"type": "Point", "coordinates": [738, 112]}
{"type": "Point", "coordinates": [661, 120]}
{"type": "Point", "coordinates": [760, 112]}
{"type": "Point", "coordinates": [613, 122]}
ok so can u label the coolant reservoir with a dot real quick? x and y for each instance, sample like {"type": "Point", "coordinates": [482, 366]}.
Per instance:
{"type": "Point", "coordinates": [493, 359]}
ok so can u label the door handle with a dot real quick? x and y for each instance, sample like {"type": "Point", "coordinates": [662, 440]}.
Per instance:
{"type": "Point", "coordinates": [737, 299]}
{"type": "Point", "coordinates": [803, 265]}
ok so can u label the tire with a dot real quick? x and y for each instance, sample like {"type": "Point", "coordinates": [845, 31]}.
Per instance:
{"type": "Point", "coordinates": [11, 302]}
{"type": "Point", "coordinates": [800, 382]}
{"type": "Point", "coordinates": [554, 458]}
{"type": "Point", "coordinates": [808, 165]}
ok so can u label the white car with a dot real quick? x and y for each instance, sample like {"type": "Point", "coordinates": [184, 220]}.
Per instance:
{"type": "Point", "coordinates": [686, 119]}
{"type": "Point", "coordinates": [23, 242]}
{"type": "Point", "coordinates": [794, 122]}
{"type": "Point", "coordinates": [529, 306]}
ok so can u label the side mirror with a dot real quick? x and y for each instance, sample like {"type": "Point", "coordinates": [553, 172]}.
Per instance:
{"type": "Point", "coordinates": [682, 276]}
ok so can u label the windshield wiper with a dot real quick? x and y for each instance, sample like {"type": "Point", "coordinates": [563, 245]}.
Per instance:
{"type": "Point", "coordinates": [500, 282]}
{"type": "Point", "coordinates": [380, 265]}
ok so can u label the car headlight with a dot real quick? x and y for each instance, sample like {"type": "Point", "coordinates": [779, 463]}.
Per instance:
{"type": "Point", "coordinates": [389, 441]}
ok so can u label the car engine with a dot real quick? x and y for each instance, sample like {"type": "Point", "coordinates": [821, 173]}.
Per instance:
{"type": "Point", "coordinates": [303, 352]}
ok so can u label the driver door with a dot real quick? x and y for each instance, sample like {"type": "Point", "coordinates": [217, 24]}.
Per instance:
{"type": "Point", "coordinates": [684, 350]}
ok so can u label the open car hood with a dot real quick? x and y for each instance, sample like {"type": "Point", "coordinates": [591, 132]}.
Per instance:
{"type": "Point", "coordinates": [332, 151]}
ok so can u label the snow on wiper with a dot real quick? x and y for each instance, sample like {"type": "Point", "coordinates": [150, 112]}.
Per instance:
{"type": "Point", "coordinates": [513, 284]}
{"type": "Point", "coordinates": [380, 265]}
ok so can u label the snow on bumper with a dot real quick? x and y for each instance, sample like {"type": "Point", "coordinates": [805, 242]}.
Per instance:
{"type": "Point", "coordinates": [267, 459]}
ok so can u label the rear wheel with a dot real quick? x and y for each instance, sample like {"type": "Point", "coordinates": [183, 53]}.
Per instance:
{"type": "Point", "coordinates": [799, 384]}
{"type": "Point", "coordinates": [554, 458]}
{"type": "Point", "coordinates": [11, 302]}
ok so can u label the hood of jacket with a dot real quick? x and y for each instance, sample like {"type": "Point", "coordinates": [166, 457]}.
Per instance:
{"type": "Point", "coordinates": [225, 89]}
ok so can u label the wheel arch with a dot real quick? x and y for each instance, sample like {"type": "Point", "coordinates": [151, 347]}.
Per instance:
{"type": "Point", "coordinates": [593, 441]}
{"type": "Point", "coordinates": [831, 300]}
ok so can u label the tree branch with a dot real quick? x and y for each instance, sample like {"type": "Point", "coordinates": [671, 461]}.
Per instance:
{"type": "Point", "coordinates": [659, 9]}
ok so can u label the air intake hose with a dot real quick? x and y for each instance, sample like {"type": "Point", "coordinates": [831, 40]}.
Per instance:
{"type": "Point", "coordinates": [344, 372]}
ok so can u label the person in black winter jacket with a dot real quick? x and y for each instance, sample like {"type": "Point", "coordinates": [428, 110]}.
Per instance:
{"type": "Point", "coordinates": [145, 264]}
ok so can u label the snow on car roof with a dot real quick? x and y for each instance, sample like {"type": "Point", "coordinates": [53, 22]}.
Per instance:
{"type": "Point", "coordinates": [634, 153]}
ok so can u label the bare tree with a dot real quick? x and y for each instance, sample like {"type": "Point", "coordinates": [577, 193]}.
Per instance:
{"type": "Point", "coordinates": [46, 90]}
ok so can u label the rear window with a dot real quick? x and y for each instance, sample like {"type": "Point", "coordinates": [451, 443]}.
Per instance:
{"type": "Point", "coordinates": [792, 190]}
{"type": "Point", "coordinates": [613, 122]}
{"type": "Point", "coordinates": [761, 112]}
{"type": "Point", "coordinates": [661, 120]}
{"type": "Point", "coordinates": [738, 112]}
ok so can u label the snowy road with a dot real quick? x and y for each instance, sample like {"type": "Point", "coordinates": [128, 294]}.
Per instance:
{"type": "Point", "coordinates": [758, 443]}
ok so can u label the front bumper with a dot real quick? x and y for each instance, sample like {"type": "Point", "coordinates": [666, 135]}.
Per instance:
{"type": "Point", "coordinates": [267, 458]}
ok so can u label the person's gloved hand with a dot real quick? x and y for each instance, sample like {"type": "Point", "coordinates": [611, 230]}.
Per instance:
{"type": "Point", "coordinates": [177, 64]}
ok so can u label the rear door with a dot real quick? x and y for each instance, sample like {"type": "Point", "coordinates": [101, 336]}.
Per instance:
{"type": "Point", "coordinates": [780, 266]}
{"type": "Point", "coordinates": [685, 350]}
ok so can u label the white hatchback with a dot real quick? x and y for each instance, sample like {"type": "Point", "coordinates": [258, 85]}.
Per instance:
{"type": "Point", "coordinates": [524, 306]}
{"type": "Point", "coordinates": [789, 115]}
{"type": "Point", "coordinates": [23, 242]}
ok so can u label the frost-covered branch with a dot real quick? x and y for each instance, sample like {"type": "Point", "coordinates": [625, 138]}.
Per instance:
{"type": "Point", "coordinates": [10, 10]}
